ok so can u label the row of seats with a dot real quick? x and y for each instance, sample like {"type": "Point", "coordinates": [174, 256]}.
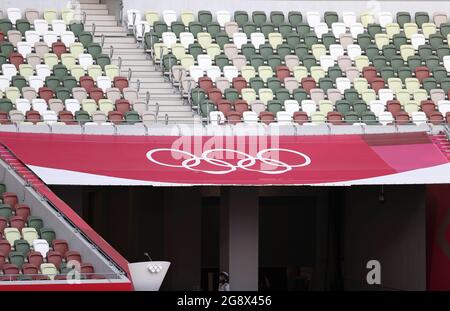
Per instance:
{"type": "Point", "coordinates": [32, 14]}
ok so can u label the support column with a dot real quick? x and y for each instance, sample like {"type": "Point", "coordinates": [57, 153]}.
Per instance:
{"type": "Point", "coordinates": [239, 236]}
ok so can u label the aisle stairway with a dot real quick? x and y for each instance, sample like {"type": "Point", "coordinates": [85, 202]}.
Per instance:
{"type": "Point", "coordinates": [443, 143]}
{"type": "Point", "coordinates": [164, 99]}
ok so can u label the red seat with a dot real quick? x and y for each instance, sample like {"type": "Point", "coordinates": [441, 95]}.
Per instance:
{"type": "Point", "coordinates": [10, 198]}
{"type": "Point", "coordinates": [115, 116]}
{"type": "Point", "coordinates": [282, 72]}
{"type": "Point", "coordinates": [86, 268]}
{"type": "Point", "coordinates": [393, 106]}
{"type": "Point", "coordinates": [120, 83]}
{"type": "Point", "coordinates": [35, 258]}
{"type": "Point", "coordinates": [23, 211]}
{"type": "Point", "coordinates": [3, 224]}
{"type": "Point", "coordinates": [234, 117]}
{"type": "Point", "coordinates": [2, 260]}
{"type": "Point", "coordinates": [122, 106]}
{"type": "Point", "coordinates": [215, 95]}
{"type": "Point", "coordinates": [266, 117]}
{"type": "Point", "coordinates": [73, 256]}
{"type": "Point", "coordinates": [46, 93]}
{"type": "Point", "coordinates": [59, 48]}
{"type": "Point", "coordinates": [401, 117]}
{"type": "Point", "coordinates": [369, 73]}
{"type": "Point", "coordinates": [2, 37]}
{"type": "Point", "coordinates": [55, 258]}
{"type": "Point", "coordinates": [377, 84]}
{"type": "Point", "coordinates": [334, 118]}
{"type": "Point", "coordinates": [30, 269]}
{"type": "Point", "coordinates": [87, 83]}
{"type": "Point", "coordinates": [96, 94]}
{"type": "Point", "coordinates": [33, 116]}
{"type": "Point", "coordinates": [16, 59]}
{"type": "Point", "coordinates": [436, 118]}
{"type": "Point", "coordinates": [239, 83]}
{"type": "Point", "coordinates": [66, 117]}
{"type": "Point", "coordinates": [205, 83]}
{"type": "Point", "coordinates": [240, 106]}
{"type": "Point", "coordinates": [422, 72]}
{"type": "Point", "coordinates": [11, 272]}
{"type": "Point", "coordinates": [224, 106]}
{"type": "Point", "coordinates": [308, 84]}
{"type": "Point", "coordinates": [428, 107]}
{"type": "Point", "coordinates": [300, 117]}
{"type": "Point", "coordinates": [5, 247]}
{"type": "Point", "coordinates": [60, 246]}
{"type": "Point", "coordinates": [4, 119]}
{"type": "Point", "coordinates": [17, 222]}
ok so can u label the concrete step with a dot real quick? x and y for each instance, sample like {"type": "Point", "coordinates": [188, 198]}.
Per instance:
{"type": "Point", "coordinates": [93, 6]}
{"type": "Point", "coordinates": [126, 57]}
{"type": "Point", "coordinates": [99, 17]}
{"type": "Point", "coordinates": [149, 80]}
{"type": "Point", "coordinates": [115, 28]}
{"type": "Point", "coordinates": [89, 1]}
{"type": "Point", "coordinates": [100, 23]}
{"type": "Point", "coordinates": [140, 74]}
{"type": "Point", "coordinates": [135, 63]}
{"type": "Point", "coordinates": [96, 12]}
{"type": "Point", "coordinates": [155, 85]}
{"type": "Point", "coordinates": [167, 94]}
{"type": "Point", "coordinates": [123, 47]}
{"type": "Point", "coordinates": [114, 41]}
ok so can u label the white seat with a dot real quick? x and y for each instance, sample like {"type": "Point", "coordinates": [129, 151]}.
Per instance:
{"type": "Point", "coordinates": [14, 14]}
{"type": "Point", "coordinates": [67, 37]}
{"type": "Point", "coordinates": [349, 18]}
{"type": "Point", "coordinates": [377, 107]}
{"type": "Point", "coordinates": [385, 118]}
{"type": "Point", "coordinates": [40, 26]}
{"type": "Point", "coordinates": [142, 27]}
{"type": "Point", "coordinates": [196, 72]}
{"type": "Point", "coordinates": [230, 72]}
{"type": "Point", "coordinates": [446, 61]}
{"type": "Point", "coordinates": [385, 18]}
{"type": "Point", "coordinates": [250, 117]}
{"type": "Point", "coordinates": [32, 37]}
{"type": "Point", "coordinates": [291, 106]}
{"type": "Point", "coordinates": [223, 17]}
{"type": "Point", "coordinates": [385, 94]}
{"type": "Point", "coordinates": [169, 38]}
{"type": "Point", "coordinates": [50, 37]}
{"type": "Point", "coordinates": [336, 50]}
{"type": "Point", "coordinates": [85, 60]}
{"type": "Point", "coordinates": [309, 106]}
{"type": "Point", "coordinates": [9, 70]}
{"type": "Point", "coordinates": [133, 16]}
{"type": "Point", "coordinates": [186, 38]}
{"type": "Point", "coordinates": [419, 117]}
{"type": "Point", "coordinates": [204, 61]}
{"type": "Point", "coordinates": [284, 118]}
{"type": "Point", "coordinates": [24, 48]}
{"type": "Point", "coordinates": [23, 105]}
{"type": "Point", "coordinates": [320, 29]}
{"type": "Point", "coordinates": [353, 50]}
{"type": "Point", "coordinates": [39, 105]}
{"type": "Point", "coordinates": [213, 72]}
{"type": "Point", "coordinates": [36, 82]}
{"type": "Point", "coordinates": [104, 82]}
{"type": "Point", "coordinates": [169, 16]}
{"type": "Point", "coordinates": [326, 61]}
{"type": "Point", "coordinates": [59, 26]}
{"type": "Point", "coordinates": [417, 39]}
{"type": "Point", "coordinates": [313, 18]}
{"type": "Point", "coordinates": [444, 106]}
{"type": "Point", "coordinates": [216, 117]}
{"type": "Point", "coordinates": [356, 29]}
{"type": "Point", "coordinates": [42, 71]}
{"type": "Point", "coordinates": [41, 246]}
{"type": "Point", "coordinates": [338, 29]}
{"type": "Point", "coordinates": [239, 38]}
{"type": "Point", "coordinates": [72, 105]}
{"type": "Point", "coordinates": [4, 83]}
{"type": "Point", "coordinates": [257, 38]}
{"type": "Point", "coordinates": [343, 84]}
{"type": "Point", "coordinates": [49, 117]}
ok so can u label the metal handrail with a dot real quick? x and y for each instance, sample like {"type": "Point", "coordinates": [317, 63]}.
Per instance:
{"type": "Point", "coordinates": [130, 73]}
{"type": "Point", "coordinates": [119, 63]}
{"type": "Point", "coordinates": [138, 85]}
{"type": "Point", "coordinates": [111, 52]}
{"type": "Point", "coordinates": [120, 12]}
{"type": "Point", "coordinates": [93, 30]}
{"type": "Point", "coordinates": [83, 21]}
{"type": "Point", "coordinates": [102, 42]}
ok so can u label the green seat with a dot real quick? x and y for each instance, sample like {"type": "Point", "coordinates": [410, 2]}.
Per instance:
{"type": "Point", "coordinates": [435, 40]}
{"type": "Point", "coordinates": [35, 222]}
{"type": "Point", "coordinates": [421, 18]}
{"type": "Point", "coordinates": [23, 25]}
{"type": "Point", "coordinates": [60, 71]}
{"type": "Point", "coordinates": [76, 28]}
{"type": "Point", "coordinates": [204, 17]}
{"type": "Point", "coordinates": [432, 61]}
{"type": "Point", "coordinates": [256, 61]}
{"type": "Point", "coordinates": [404, 72]}
{"type": "Point", "coordinates": [303, 29]}
{"type": "Point", "coordinates": [195, 28]}
{"type": "Point", "coordinates": [299, 95]}
{"type": "Point", "coordinates": [283, 50]}
{"type": "Point", "coordinates": [372, 52]}
{"type": "Point", "coordinates": [52, 82]}
{"type": "Point", "coordinates": [439, 73]}
{"type": "Point", "coordinates": [274, 61]}
{"type": "Point", "coordinates": [249, 28]}
{"type": "Point", "coordinates": [402, 18]}
{"type": "Point", "coordinates": [240, 17]}
{"type": "Point", "coordinates": [197, 96]}
{"type": "Point", "coordinates": [445, 84]}
{"type": "Point", "coordinates": [273, 83]}
{"type": "Point", "coordinates": [206, 107]}
{"type": "Point", "coordinates": [442, 51]}
{"type": "Point", "coordinates": [5, 25]}
{"type": "Point", "coordinates": [301, 50]}
{"type": "Point", "coordinates": [6, 105]}
{"type": "Point", "coordinates": [414, 61]}
{"type": "Point", "coordinates": [48, 234]}
{"type": "Point", "coordinates": [364, 40]}
{"type": "Point", "coordinates": [17, 258]}
{"type": "Point", "coordinates": [94, 49]}
{"type": "Point", "coordinates": [330, 18]}
{"type": "Point", "coordinates": [267, 28]}
{"type": "Point", "coordinates": [19, 82]}
{"type": "Point", "coordinates": [295, 18]}
{"type": "Point", "coordinates": [328, 39]}
{"type": "Point", "coordinates": [311, 39]}
{"type": "Point", "coordinates": [221, 61]}
{"type": "Point", "coordinates": [351, 95]}
{"type": "Point", "coordinates": [195, 49]}
{"type": "Point", "coordinates": [259, 18]}
{"type": "Point", "coordinates": [360, 107]}
{"type": "Point", "coordinates": [274, 106]}
{"type": "Point", "coordinates": [369, 118]}
{"type": "Point", "coordinates": [424, 51]}
{"type": "Point", "coordinates": [379, 62]}
{"type": "Point", "coordinates": [334, 72]}
{"type": "Point", "coordinates": [22, 247]}
{"type": "Point", "coordinates": [82, 116]}
{"type": "Point", "coordinates": [282, 95]}
{"type": "Point", "coordinates": [429, 84]}
{"type": "Point", "coordinates": [285, 29]}
{"type": "Point", "coordinates": [325, 83]}
{"type": "Point", "coordinates": [177, 28]}
{"type": "Point", "coordinates": [387, 72]}
{"type": "Point", "coordinates": [5, 211]}
{"type": "Point", "coordinates": [397, 62]}
{"type": "Point", "coordinates": [6, 48]}
{"type": "Point", "coordinates": [373, 29]}
{"type": "Point", "coordinates": [389, 51]}
{"type": "Point", "coordinates": [85, 38]}
{"type": "Point", "coordinates": [398, 40]}
{"type": "Point", "coordinates": [168, 61]}
{"type": "Point", "coordinates": [70, 82]}
{"type": "Point", "coordinates": [257, 83]}
{"type": "Point", "coordinates": [150, 39]}
{"type": "Point", "coordinates": [159, 27]}
{"type": "Point", "coordinates": [309, 61]}
{"type": "Point", "coordinates": [222, 39]}
{"type": "Point", "coordinates": [132, 117]}
{"type": "Point", "coordinates": [231, 94]}
{"type": "Point", "coordinates": [3, 59]}
{"type": "Point", "coordinates": [248, 50]}
{"type": "Point", "coordinates": [293, 39]}
{"type": "Point", "coordinates": [63, 93]}
{"type": "Point", "coordinates": [2, 189]}
{"type": "Point", "coordinates": [265, 50]}
{"type": "Point", "coordinates": [213, 28]}
{"type": "Point", "coordinates": [351, 117]}
{"type": "Point", "coordinates": [445, 29]}
{"type": "Point", "coordinates": [342, 106]}
{"type": "Point", "coordinates": [277, 18]}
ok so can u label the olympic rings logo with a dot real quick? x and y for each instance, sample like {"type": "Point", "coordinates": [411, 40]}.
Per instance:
{"type": "Point", "coordinates": [246, 163]}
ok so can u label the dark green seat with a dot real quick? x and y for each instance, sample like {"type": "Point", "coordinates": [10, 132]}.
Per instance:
{"type": "Point", "coordinates": [159, 27]}
{"type": "Point", "coordinates": [342, 106]}
{"type": "Point", "coordinates": [19, 82]}
{"type": "Point", "coordinates": [442, 51]}
{"type": "Point", "coordinates": [259, 18]}
{"type": "Point", "coordinates": [52, 82]}
{"type": "Point", "coordinates": [309, 61]}
{"type": "Point", "coordinates": [334, 72]}
{"type": "Point", "coordinates": [256, 61]}
{"type": "Point", "coordinates": [359, 107]}
{"type": "Point", "coordinates": [63, 93]}
{"type": "Point", "coordinates": [301, 50]}
{"type": "Point", "coordinates": [94, 49]}
{"type": "Point", "coordinates": [150, 39]}
{"type": "Point", "coordinates": [6, 48]}
{"type": "Point", "coordinates": [429, 84]}
{"type": "Point", "coordinates": [424, 51]}
{"type": "Point", "coordinates": [168, 61]}
{"type": "Point", "coordinates": [274, 106]}
{"type": "Point", "coordinates": [257, 83]}
{"type": "Point", "coordinates": [295, 18]}
{"type": "Point", "coordinates": [76, 28]}
{"type": "Point", "coordinates": [102, 60]}
{"type": "Point", "coordinates": [132, 117]}
{"type": "Point", "coordinates": [274, 61]}
{"type": "Point", "coordinates": [60, 71]}
{"type": "Point", "coordinates": [328, 39]}
{"type": "Point", "coordinates": [248, 50]}
{"type": "Point", "coordinates": [387, 72]}
{"type": "Point", "coordinates": [303, 29]}
{"type": "Point", "coordinates": [195, 49]}
{"type": "Point", "coordinates": [206, 107]}
{"type": "Point", "coordinates": [283, 50]}
{"type": "Point", "coordinates": [351, 95]}
{"type": "Point", "coordinates": [402, 18]}
{"type": "Point", "coordinates": [373, 29]}
{"type": "Point", "coordinates": [389, 51]}
{"type": "Point", "coordinates": [3, 59]}
{"type": "Point", "coordinates": [399, 39]}
{"type": "Point", "coordinates": [421, 18]}
{"type": "Point", "coordinates": [372, 52]}
{"type": "Point", "coordinates": [379, 62]}
{"type": "Point", "coordinates": [397, 62]}
{"type": "Point", "coordinates": [311, 39]}
{"type": "Point", "coordinates": [231, 94]}
{"type": "Point", "coordinates": [445, 29]}
{"type": "Point", "coordinates": [404, 72]}
{"type": "Point", "coordinates": [177, 28]}
{"type": "Point", "coordinates": [432, 61]}
{"type": "Point", "coordinates": [2, 189]}
{"type": "Point", "coordinates": [325, 83]}
{"type": "Point", "coordinates": [197, 96]}
{"type": "Point", "coordinates": [6, 105]}
{"type": "Point", "coordinates": [330, 18]}
{"type": "Point", "coordinates": [222, 39]}
{"type": "Point", "coordinates": [445, 84]}
{"type": "Point", "coordinates": [435, 40]}
{"type": "Point", "coordinates": [213, 28]}
{"type": "Point", "coordinates": [5, 211]}
{"type": "Point", "coordinates": [48, 234]}
{"type": "Point", "coordinates": [221, 60]}
{"type": "Point", "coordinates": [35, 222]}
{"type": "Point", "coordinates": [70, 82]}
{"type": "Point", "coordinates": [265, 50]}
{"type": "Point", "coordinates": [267, 28]}
{"type": "Point", "coordinates": [299, 94]}
{"type": "Point", "coordinates": [85, 38]}
{"type": "Point", "coordinates": [369, 118]}
{"type": "Point", "coordinates": [17, 258]}
{"type": "Point", "coordinates": [5, 25]}
{"type": "Point", "coordinates": [277, 18]}
{"type": "Point", "coordinates": [195, 28]}
{"type": "Point", "coordinates": [249, 28]}
{"type": "Point", "coordinates": [204, 17]}
{"type": "Point", "coordinates": [240, 17]}
{"type": "Point", "coordinates": [82, 116]}
{"type": "Point", "coordinates": [439, 73]}
{"type": "Point", "coordinates": [414, 61]}
{"type": "Point", "coordinates": [351, 117]}
{"type": "Point", "coordinates": [364, 40]}
{"type": "Point", "coordinates": [274, 84]}
{"type": "Point", "coordinates": [23, 25]}
{"type": "Point", "coordinates": [282, 95]}
{"type": "Point", "coordinates": [293, 39]}
{"type": "Point", "coordinates": [22, 247]}
{"type": "Point", "coordinates": [285, 29]}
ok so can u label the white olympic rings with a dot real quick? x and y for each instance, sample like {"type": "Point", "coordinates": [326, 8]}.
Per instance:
{"type": "Point", "coordinates": [246, 163]}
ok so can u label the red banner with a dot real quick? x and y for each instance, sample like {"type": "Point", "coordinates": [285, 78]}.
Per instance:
{"type": "Point", "coordinates": [231, 160]}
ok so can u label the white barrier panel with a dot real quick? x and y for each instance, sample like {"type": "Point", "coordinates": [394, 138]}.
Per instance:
{"type": "Point", "coordinates": [148, 275]}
